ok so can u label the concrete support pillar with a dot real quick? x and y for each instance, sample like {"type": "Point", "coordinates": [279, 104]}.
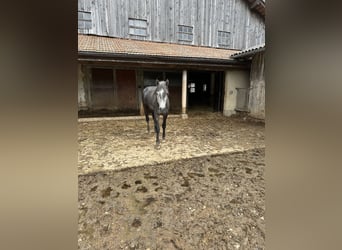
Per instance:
{"type": "Point", "coordinates": [184, 90]}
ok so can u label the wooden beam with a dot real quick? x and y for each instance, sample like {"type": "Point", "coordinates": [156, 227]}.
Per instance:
{"type": "Point", "coordinates": [256, 2]}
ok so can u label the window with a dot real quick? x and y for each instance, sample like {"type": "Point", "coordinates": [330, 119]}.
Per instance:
{"type": "Point", "coordinates": [191, 86]}
{"type": "Point", "coordinates": [137, 27]}
{"type": "Point", "coordinates": [84, 20]}
{"type": "Point", "coordinates": [223, 38]}
{"type": "Point", "coordinates": [185, 33]}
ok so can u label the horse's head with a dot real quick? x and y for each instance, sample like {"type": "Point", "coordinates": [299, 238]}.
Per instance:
{"type": "Point", "coordinates": [162, 93]}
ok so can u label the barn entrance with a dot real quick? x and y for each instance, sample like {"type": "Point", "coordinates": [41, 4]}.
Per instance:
{"type": "Point", "coordinates": [126, 91]}
{"type": "Point", "coordinates": [102, 88]}
{"type": "Point", "coordinates": [205, 91]}
{"type": "Point", "coordinates": [113, 92]}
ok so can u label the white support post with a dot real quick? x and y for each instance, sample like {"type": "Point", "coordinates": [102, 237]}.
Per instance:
{"type": "Point", "coordinates": [184, 90]}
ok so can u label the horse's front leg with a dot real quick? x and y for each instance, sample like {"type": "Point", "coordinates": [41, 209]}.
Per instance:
{"type": "Point", "coordinates": [156, 127]}
{"type": "Point", "coordinates": [164, 125]}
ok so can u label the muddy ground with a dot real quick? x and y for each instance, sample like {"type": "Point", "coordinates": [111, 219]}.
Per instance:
{"type": "Point", "coordinates": [107, 145]}
{"type": "Point", "coordinates": [214, 202]}
{"type": "Point", "coordinates": [204, 201]}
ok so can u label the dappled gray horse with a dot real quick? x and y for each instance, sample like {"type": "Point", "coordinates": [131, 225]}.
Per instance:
{"type": "Point", "coordinates": [156, 101]}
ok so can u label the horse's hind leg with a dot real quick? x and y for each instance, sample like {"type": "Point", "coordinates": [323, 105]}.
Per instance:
{"type": "Point", "coordinates": [164, 125]}
{"type": "Point", "coordinates": [148, 123]}
{"type": "Point", "coordinates": [147, 120]}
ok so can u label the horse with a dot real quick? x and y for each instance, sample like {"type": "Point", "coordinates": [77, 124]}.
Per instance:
{"type": "Point", "coordinates": [156, 101]}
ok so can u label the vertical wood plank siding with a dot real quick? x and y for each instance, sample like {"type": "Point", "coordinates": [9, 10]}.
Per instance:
{"type": "Point", "coordinates": [207, 17]}
{"type": "Point", "coordinates": [257, 87]}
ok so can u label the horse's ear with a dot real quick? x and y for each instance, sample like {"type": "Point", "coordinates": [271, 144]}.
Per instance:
{"type": "Point", "coordinates": [167, 82]}
{"type": "Point", "coordinates": [157, 82]}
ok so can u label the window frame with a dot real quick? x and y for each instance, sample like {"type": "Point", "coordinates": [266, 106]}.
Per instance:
{"type": "Point", "coordinates": [181, 32]}
{"type": "Point", "coordinates": [223, 40]}
{"type": "Point", "coordinates": [137, 27]}
{"type": "Point", "coordinates": [84, 21]}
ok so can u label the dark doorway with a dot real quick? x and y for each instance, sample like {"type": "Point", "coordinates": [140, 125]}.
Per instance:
{"type": "Point", "coordinates": [198, 90]}
{"type": "Point", "coordinates": [205, 91]}
{"type": "Point", "coordinates": [102, 89]}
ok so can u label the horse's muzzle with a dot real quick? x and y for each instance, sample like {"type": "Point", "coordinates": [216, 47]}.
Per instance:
{"type": "Point", "coordinates": [162, 111]}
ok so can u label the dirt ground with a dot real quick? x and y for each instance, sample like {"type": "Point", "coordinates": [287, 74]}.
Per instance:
{"type": "Point", "coordinates": [116, 144]}
{"type": "Point", "coordinates": [207, 198]}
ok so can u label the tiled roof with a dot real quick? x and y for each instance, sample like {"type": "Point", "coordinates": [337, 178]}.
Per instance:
{"type": "Point", "coordinates": [118, 46]}
{"type": "Point", "coordinates": [258, 6]}
{"type": "Point", "coordinates": [249, 51]}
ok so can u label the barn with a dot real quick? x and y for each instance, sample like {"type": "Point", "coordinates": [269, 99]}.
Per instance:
{"type": "Point", "coordinates": [124, 46]}
{"type": "Point", "coordinates": [203, 186]}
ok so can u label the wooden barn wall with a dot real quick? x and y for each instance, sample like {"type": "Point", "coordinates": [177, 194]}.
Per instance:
{"type": "Point", "coordinates": [257, 91]}
{"type": "Point", "coordinates": [84, 92]}
{"type": "Point", "coordinates": [110, 18]}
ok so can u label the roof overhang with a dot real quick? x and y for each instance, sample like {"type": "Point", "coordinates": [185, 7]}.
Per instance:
{"type": "Point", "coordinates": [248, 53]}
{"type": "Point", "coordinates": [258, 6]}
{"type": "Point", "coordinates": [138, 53]}
{"type": "Point", "coordinates": [148, 61]}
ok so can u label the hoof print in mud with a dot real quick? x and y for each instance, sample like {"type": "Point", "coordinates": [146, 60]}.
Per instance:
{"type": "Point", "coordinates": [157, 224]}
{"type": "Point", "coordinates": [194, 175]}
{"type": "Point", "coordinates": [149, 176]}
{"type": "Point", "coordinates": [185, 183]}
{"type": "Point", "coordinates": [136, 223]}
{"type": "Point", "coordinates": [125, 186]}
{"type": "Point", "coordinates": [148, 201]}
{"type": "Point", "coordinates": [248, 170]}
{"type": "Point", "coordinates": [106, 192]}
{"type": "Point", "coordinates": [213, 170]}
{"type": "Point", "coordinates": [141, 189]}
